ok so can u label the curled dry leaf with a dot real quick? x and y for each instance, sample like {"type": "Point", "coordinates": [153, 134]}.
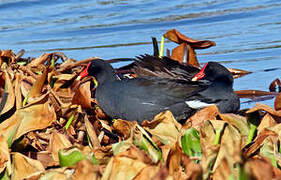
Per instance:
{"type": "Point", "coordinates": [39, 83]}
{"type": "Point", "coordinates": [209, 151]}
{"type": "Point", "coordinates": [58, 141]}
{"type": "Point", "coordinates": [164, 127]}
{"type": "Point", "coordinates": [125, 165]}
{"type": "Point", "coordinates": [263, 107]}
{"type": "Point", "coordinates": [261, 168]}
{"type": "Point", "coordinates": [86, 170]}
{"type": "Point", "coordinates": [7, 56]}
{"type": "Point", "coordinates": [208, 113]}
{"type": "Point", "coordinates": [184, 53]}
{"type": "Point", "coordinates": [24, 167]}
{"type": "Point", "coordinates": [92, 133]}
{"type": "Point", "coordinates": [277, 102]}
{"type": "Point", "coordinates": [274, 84]}
{"type": "Point", "coordinates": [179, 38]}
{"type": "Point", "coordinates": [123, 128]}
{"type": "Point", "coordinates": [40, 60]}
{"type": "Point", "coordinates": [258, 142]}
{"type": "Point", "coordinates": [38, 116]}
{"type": "Point", "coordinates": [5, 161]}
{"type": "Point", "coordinates": [238, 72]}
{"type": "Point", "coordinates": [82, 96]}
{"type": "Point", "coordinates": [9, 89]}
{"type": "Point", "coordinates": [254, 93]}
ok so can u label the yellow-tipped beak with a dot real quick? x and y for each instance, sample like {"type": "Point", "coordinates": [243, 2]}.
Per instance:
{"type": "Point", "coordinates": [78, 78]}
{"type": "Point", "coordinates": [194, 78]}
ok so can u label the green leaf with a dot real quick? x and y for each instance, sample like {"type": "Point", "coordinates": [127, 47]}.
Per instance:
{"type": "Point", "coordinates": [94, 160]}
{"type": "Point", "coordinates": [70, 157]}
{"type": "Point", "coordinates": [4, 175]}
{"type": "Point", "coordinates": [191, 143]}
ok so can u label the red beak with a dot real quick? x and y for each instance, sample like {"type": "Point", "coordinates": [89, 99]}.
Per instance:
{"type": "Point", "coordinates": [200, 75]}
{"type": "Point", "coordinates": [84, 73]}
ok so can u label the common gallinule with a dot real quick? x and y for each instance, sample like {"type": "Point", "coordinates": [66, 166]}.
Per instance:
{"type": "Point", "coordinates": [144, 97]}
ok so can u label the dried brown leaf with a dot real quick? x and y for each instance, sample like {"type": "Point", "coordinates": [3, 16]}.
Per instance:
{"type": "Point", "coordinates": [5, 161]}
{"type": "Point", "coordinates": [266, 122]}
{"type": "Point", "coordinates": [24, 167]}
{"type": "Point", "coordinates": [40, 60]}
{"type": "Point", "coordinates": [277, 102]}
{"type": "Point", "coordinates": [58, 141]}
{"type": "Point", "coordinates": [123, 128]}
{"type": "Point", "coordinates": [260, 169]}
{"type": "Point", "coordinates": [208, 113]}
{"type": "Point", "coordinates": [253, 93]}
{"type": "Point", "coordinates": [18, 94]}
{"type": "Point", "coordinates": [39, 83]}
{"type": "Point", "coordinates": [9, 88]}
{"type": "Point", "coordinates": [82, 95]}
{"type": "Point", "coordinates": [238, 72]}
{"type": "Point", "coordinates": [178, 54]}
{"type": "Point", "coordinates": [263, 107]}
{"type": "Point", "coordinates": [164, 127]}
{"type": "Point", "coordinates": [85, 169]}
{"type": "Point", "coordinates": [275, 83]}
{"type": "Point", "coordinates": [92, 133]}
{"type": "Point", "coordinates": [126, 165]}
{"type": "Point", "coordinates": [258, 142]}
{"type": "Point", "coordinates": [179, 38]}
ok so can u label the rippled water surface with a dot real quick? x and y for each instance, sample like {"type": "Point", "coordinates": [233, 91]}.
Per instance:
{"type": "Point", "coordinates": [247, 33]}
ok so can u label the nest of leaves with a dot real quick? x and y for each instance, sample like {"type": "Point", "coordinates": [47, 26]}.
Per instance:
{"type": "Point", "coordinates": [52, 128]}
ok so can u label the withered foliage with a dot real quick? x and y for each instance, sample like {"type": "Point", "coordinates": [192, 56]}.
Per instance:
{"type": "Point", "coordinates": [51, 127]}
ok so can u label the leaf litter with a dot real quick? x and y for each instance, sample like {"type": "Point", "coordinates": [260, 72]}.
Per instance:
{"type": "Point", "coordinates": [52, 128]}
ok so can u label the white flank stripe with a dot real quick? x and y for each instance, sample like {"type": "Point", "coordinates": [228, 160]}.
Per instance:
{"type": "Point", "coordinates": [195, 104]}
{"type": "Point", "coordinates": [148, 103]}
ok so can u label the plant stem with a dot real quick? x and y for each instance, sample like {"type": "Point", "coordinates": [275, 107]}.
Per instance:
{"type": "Point", "coordinates": [69, 122]}
{"type": "Point", "coordinates": [218, 136]}
{"type": "Point", "coordinates": [162, 47]}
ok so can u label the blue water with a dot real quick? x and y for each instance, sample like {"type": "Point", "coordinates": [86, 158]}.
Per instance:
{"type": "Point", "coordinates": [247, 32]}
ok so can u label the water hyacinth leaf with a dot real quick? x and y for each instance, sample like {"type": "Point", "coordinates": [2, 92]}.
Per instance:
{"type": "Point", "coordinates": [164, 127]}
{"type": "Point", "coordinates": [70, 157]}
{"type": "Point", "coordinates": [190, 142]}
{"type": "Point", "coordinates": [24, 167]}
